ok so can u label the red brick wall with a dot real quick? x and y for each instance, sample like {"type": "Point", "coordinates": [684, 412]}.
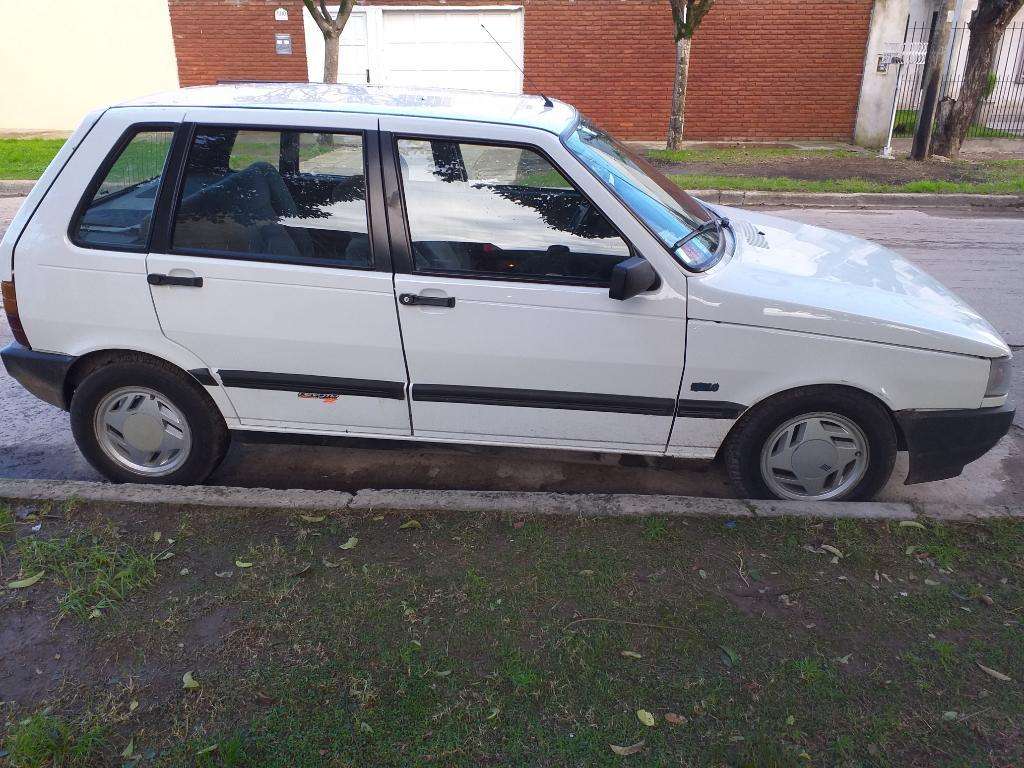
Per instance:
{"type": "Point", "coordinates": [217, 40]}
{"type": "Point", "coordinates": [777, 69]}
{"type": "Point", "coordinates": [761, 69]}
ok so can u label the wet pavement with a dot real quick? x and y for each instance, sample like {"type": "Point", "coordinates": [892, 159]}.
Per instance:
{"type": "Point", "coordinates": [978, 254]}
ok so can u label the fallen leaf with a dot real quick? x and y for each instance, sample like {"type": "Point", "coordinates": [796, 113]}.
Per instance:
{"type": "Point", "coordinates": [949, 716]}
{"type": "Point", "coordinates": [911, 524]}
{"type": "Point", "coordinates": [931, 582]}
{"type": "Point", "coordinates": [129, 749]}
{"type": "Point", "coordinates": [986, 599]}
{"type": "Point", "coordinates": [183, 572]}
{"type": "Point", "coordinates": [493, 713]}
{"type": "Point", "coordinates": [632, 749]}
{"type": "Point", "coordinates": [645, 717]}
{"type": "Point", "coordinates": [995, 673]}
{"type": "Point", "coordinates": [409, 524]}
{"type": "Point", "coordinates": [188, 682]}
{"type": "Point", "coordinates": [377, 518]}
{"type": "Point", "coordinates": [312, 518]}
{"type": "Point", "coordinates": [156, 535]}
{"type": "Point", "coordinates": [729, 657]}
{"type": "Point", "coordinates": [166, 555]}
{"type": "Point", "coordinates": [133, 705]}
{"type": "Point", "coordinates": [586, 572]}
{"type": "Point", "coordinates": [350, 544]}
{"type": "Point", "coordinates": [702, 573]}
{"type": "Point", "coordinates": [329, 564]}
{"type": "Point", "coordinates": [27, 582]}
{"type": "Point", "coordinates": [95, 613]}
{"type": "Point", "coordinates": [303, 570]}
{"type": "Point", "coordinates": [242, 564]}
{"type": "Point", "coordinates": [831, 550]}
{"type": "Point", "coordinates": [224, 574]}
{"type": "Point", "coordinates": [630, 655]}
{"type": "Point", "coordinates": [207, 750]}
{"type": "Point", "coordinates": [791, 720]}
{"type": "Point", "coordinates": [673, 719]}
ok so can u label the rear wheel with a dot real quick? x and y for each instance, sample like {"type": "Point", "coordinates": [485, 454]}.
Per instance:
{"type": "Point", "coordinates": [139, 421]}
{"type": "Point", "coordinates": [819, 444]}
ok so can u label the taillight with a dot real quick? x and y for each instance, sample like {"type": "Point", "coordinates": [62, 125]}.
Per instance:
{"type": "Point", "coordinates": [11, 310]}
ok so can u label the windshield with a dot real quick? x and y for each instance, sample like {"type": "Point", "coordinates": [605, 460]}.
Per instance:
{"type": "Point", "coordinates": [663, 206]}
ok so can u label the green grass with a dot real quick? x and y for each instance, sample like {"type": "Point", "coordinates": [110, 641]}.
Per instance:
{"type": "Point", "coordinates": [46, 741]}
{"type": "Point", "coordinates": [906, 122]}
{"type": "Point", "coordinates": [475, 640]}
{"type": "Point", "coordinates": [26, 158]}
{"type": "Point", "coordinates": [95, 572]}
{"type": "Point", "coordinates": [1011, 184]}
{"type": "Point", "coordinates": [742, 154]}
{"type": "Point", "coordinates": [6, 521]}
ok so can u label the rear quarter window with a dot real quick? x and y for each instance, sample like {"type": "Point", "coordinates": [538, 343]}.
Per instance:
{"type": "Point", "coordinates": [117, 212]}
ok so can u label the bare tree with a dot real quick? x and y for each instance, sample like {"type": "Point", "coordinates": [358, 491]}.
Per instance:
{"type": "Point", "coordinates": [987, 26]}
{"type": "Point", "coordinates": [687, 15]}
{"type": "Point", "coordinates": [331, 27]}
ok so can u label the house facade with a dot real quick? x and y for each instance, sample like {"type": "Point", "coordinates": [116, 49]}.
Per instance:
{"type": "Point", "coordinates": [761, 69]}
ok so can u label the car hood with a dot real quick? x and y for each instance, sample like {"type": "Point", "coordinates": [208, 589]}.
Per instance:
{"type": "Point", "coordinates": [792, 276]}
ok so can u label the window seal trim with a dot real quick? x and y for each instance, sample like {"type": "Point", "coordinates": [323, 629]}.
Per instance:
{"type": "Point", "coordinates": [379, 262]}
{"type": "Point", "coordinates": [400, 208]}
{"type": "Point", "coordinates": [112, 156]}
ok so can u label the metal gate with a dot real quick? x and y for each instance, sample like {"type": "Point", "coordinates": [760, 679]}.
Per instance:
{"type": "Point", "coordinates": [1001, 113]}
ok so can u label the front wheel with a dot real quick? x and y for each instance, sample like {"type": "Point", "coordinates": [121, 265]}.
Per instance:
{"type": "Point", "coordinates": [137, 421]}
{"type": "Point", "coordinates": [819, 444]}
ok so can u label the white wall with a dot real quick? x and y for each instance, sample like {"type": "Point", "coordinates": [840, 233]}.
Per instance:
{"type": "Point", "coordinates": [61, 58]}
{"type": "Point", "coordinates": [878, 89]}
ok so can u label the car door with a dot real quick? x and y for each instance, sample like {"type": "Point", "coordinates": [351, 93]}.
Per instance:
{"type": "Point", "coordinates": [271, 268]}
{"type": "Point", "coordinates": [502, 273]}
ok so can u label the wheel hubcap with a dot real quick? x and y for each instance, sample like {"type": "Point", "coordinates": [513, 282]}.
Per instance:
{"type": "Point", "coordinates": [814, 456]}
{"type": "Point", "coordinates": [143, 431]}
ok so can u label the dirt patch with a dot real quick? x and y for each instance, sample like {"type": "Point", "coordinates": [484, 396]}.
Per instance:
{"type": "Point", "coordinates": [809, 168]}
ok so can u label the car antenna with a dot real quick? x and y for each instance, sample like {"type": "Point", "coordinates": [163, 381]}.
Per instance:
{"type": "Point", "coordinates": [547, 101]}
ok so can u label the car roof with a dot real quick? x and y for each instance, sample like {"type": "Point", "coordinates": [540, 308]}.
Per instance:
{"type": "Point", "coordinates": [479, 106]}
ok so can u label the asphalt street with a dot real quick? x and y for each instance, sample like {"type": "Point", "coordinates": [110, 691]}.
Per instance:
{"type": "Point", "coordinates": [979, 254]}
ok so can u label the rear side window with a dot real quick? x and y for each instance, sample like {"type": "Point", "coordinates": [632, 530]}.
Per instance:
{"type": "Point", "coordinates": [502, 212]}
{"type": "Point", "coordinates": [120, 211]}
{"type": "Point", "coordinates": [292, 196]}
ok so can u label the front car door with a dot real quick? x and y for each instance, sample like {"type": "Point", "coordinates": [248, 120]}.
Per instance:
{"type": "Point", "coordinates": [271, 265]}
{"type": "Point", "coordinates": [503, 255]}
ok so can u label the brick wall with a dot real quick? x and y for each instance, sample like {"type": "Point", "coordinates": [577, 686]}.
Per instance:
{"type": "Point", "coordinates": [217, 40]}
{"type": "Point", "coordinates": [761, 69]}
{"type": "Point", "coordinates": [777, 69]}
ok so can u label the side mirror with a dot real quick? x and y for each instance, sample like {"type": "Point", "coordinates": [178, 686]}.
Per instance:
{"type": "Point", "coordinates": [631, 278]}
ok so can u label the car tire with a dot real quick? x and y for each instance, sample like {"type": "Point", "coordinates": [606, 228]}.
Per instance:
{"type": "Point", "coordinates": [138, 420]}
{"type": "Point", "coordinates": [767, 456]}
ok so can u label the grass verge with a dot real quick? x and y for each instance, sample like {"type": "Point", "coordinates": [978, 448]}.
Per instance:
{"type": "Point", "coordinates": [467, 641]}
{"type": "Point", "coordinates": [26, 158]}
{"type": "Point", "coordinates": [743, 154]}
{"type": "Point", "coordinates": [1011, 185]}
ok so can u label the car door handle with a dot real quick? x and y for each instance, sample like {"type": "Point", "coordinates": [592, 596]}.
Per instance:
{"type": "Point", "coordinates": [188, 282]}
{"type": "Point", "coordinates": [413, 299]}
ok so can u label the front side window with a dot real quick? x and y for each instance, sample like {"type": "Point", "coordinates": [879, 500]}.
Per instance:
{"type": "Point", "coordinates": [120, 211]}
{"type": "Point", "coordinates": [502, 211]}
{"type": "Point", "coordinates": [662, 205]}
{"type": "Point", "coordinates": [294, 196]}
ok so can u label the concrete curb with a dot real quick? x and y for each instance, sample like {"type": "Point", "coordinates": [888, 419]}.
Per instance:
{"type": "Point", "coordinates": [753, 199]}
{"type": "Point", "coordinates": [15, 188]}
{"type": "Point", "coordinates": [481, 502]}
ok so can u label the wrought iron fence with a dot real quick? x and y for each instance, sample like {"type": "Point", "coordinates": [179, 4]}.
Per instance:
{"type": "Point", "coordinates": [1001, 112]}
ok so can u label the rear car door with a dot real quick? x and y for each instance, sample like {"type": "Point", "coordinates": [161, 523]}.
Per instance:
{"type": "Point", "coordinates": [271, 265]}
{"type": "Point", "coordinates": [502, 263]}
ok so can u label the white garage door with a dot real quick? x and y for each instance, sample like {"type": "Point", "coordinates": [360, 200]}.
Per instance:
{"type": "Point", "coordinates": [439, 47]}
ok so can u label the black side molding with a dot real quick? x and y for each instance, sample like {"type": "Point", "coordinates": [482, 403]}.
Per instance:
{"type": "Point", "coordinates": [321, 385]}
{"type": "Point", "coordinates": [541, 398]}
{"type": "Point", "coordinates": [203, 376]}
{"type": "Point", "coordinates": [941, 443]}
{"type": "Point", "coordinates": [41, 373]}
{"type": "Point", "coordinates": [709, 409]}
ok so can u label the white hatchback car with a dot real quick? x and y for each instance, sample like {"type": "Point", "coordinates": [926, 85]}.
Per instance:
{"type": "Point", "coordinates": [467, 268]}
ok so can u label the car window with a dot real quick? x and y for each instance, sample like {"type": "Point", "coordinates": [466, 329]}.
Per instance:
{"type": "Point", "coordinates": [296, 196]}
{"type": "Point", "coordinates": [504, 212]}
{"type": "Point", "coordinates": [120, 212]}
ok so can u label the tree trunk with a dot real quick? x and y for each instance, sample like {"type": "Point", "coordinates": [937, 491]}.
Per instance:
{"type": "Point", "coordinates": [981, 49]}
{"type": "Point", "coordinates": [331, 47]}
{"type": "Point", "coordinates": [676, 122]}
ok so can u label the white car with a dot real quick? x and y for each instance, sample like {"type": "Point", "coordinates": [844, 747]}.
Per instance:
{"type": "Point", "coordinates": [467, 268]}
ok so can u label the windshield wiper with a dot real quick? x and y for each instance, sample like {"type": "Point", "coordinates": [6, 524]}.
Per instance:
{"type": "Point", "coordinates": [716, 223]}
